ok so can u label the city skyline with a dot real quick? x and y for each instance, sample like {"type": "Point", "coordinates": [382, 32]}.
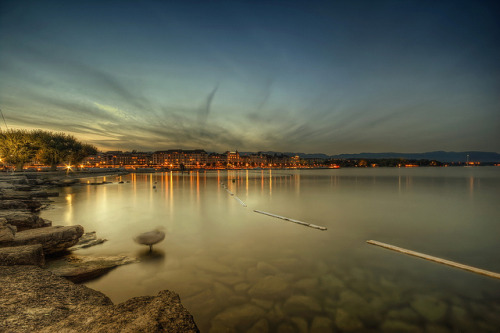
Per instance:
{"type": "Point", "coordinates": [329, 77]}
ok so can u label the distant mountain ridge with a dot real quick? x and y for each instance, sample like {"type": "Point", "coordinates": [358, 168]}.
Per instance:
{"type": "Point", "coordinates": [442, 156]}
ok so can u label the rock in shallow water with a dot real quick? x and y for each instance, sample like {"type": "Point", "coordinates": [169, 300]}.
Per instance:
{"type": "Point", "coordinates": [347, 322]}
{"type": "Point", "coordinates": [239, 317]}
{"type": "Point", "coordinates": [88, 239]}
{"type": "Point", "coordinates": [429, 307]}
{"type": "Point", "coordinates": [270, 287]}
{"type": "Point", "coordinates": [301, 305]}
{"type": "Point", "coordinates": [83, 268]}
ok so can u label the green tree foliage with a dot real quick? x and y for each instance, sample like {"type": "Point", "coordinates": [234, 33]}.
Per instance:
{"type": "Point", "coordinates": [17, 147]}
{"type": "Point", "coordinates": [20, 146]}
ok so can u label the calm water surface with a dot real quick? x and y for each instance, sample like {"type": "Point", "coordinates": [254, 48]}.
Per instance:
{"type": "Point", "coordinates": [239, 271]}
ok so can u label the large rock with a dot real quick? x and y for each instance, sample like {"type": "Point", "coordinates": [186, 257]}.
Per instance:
{"type": "Point", "coordinates": [22, 255]}
{"type": "Point", "coordinates": [32, 299]}
{"type": "Point", "coordinates": [9, 194]}
{"type": "Point", "coordinates": [28, 204]}
{"type": "Point", "coordinates": [53, 239]}
{"type": "Point", "coordinates": [24, 220]}
{"type": "Point", "coordinates": [84, 268]}
{"type": "Point", "coordinates": [7, 231]}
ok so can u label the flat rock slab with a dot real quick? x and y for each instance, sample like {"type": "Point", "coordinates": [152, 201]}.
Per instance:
{"type": "Point", "coordinates": [83, 268]}
{"type": "Point", "coordinates": [9, 194]}
{"type": "Point", "coordinates": [87, 240]}
{"type": "Point", "coordinates": [33, 299]}
{"type": "Point", "coordinates": [53, 239]}
{"type": "Point", "coordinates": [26, 204]}
{"type": "Point", "coordinates": [22, 255]}
{"type": "Point", "coordinates": [24, 220]}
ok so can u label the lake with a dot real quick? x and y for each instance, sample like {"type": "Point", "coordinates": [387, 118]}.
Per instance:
{"type": "Point", "coordinates": [237, 270]}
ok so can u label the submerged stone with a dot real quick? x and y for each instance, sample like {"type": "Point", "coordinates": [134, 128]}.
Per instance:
{"type": "Point", "coordinates": [347, 322]}
{"type": "Point", "coordinates": [239, 317]}
{"type": "Point", "coordinates": [270, 287]}
{"type": "Point", "coordinates": [321, 325]}
{"type": "Point", "coordinates": [397, 326]}
{"type": "Point", "coordinates": [300, 324]}
{"type": "Point", "coordinates": [301, 305]}
{"type": "Point", "coordinates": [261, 326]}
{"type": "Point", "coordinates": [429, 307]}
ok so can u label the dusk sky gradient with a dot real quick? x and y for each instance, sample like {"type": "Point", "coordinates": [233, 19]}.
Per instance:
{"type": "Point", "coordinates": [312, 76]}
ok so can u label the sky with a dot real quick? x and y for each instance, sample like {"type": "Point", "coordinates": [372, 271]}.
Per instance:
{"type": "Point", "coordinates": [299, 76]}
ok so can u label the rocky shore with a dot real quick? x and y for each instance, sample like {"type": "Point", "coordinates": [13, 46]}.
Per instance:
{"type": "Point", "coordinates": [36, 294]}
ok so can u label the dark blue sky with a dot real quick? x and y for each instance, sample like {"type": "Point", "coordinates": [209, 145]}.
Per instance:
{"type": "Point", "coordinates": [312, 76]}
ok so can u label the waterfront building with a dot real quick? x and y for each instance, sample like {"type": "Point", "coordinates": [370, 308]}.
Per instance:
{"type": "Point", "coordinates": [179, 158]}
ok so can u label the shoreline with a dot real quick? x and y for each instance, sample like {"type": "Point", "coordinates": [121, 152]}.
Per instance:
{"type": "Point", "coordinates": [33, 298]}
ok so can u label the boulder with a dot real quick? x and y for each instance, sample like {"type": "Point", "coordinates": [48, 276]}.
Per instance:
{"type": "Point", "coordinates": [22, 255]}
{"type": "Point", "coordinates": [26, 204]}
{"type": "Point", "coordinates": [33, 299]}
{"type": "Point", "coordinates": [7, 231]}
{"type": "Point", "coordinates": [13, 204]}
{"type": "Point", "coordinates": [53, 239]}
{"type": "Point", "coordinates": [83, 268]}
{"type": "Point", "coordinates": [9, 194]}
{"type": "Point", "coordinates": [23, 220]}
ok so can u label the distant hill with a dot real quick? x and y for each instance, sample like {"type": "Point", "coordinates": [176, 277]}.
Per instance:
{"type": "Point", "coordinates": [442, 156]}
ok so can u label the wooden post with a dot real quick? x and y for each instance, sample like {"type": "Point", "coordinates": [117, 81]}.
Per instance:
{"type": "Point", "coordinates": [310, 225]}
{"type": "Point", "coordinates": [436, 259]}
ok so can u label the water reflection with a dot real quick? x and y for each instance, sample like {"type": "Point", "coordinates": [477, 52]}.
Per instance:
{"type": "Point", "coordinates": [153, 257]}
{"type": "Point", "coordinates": [234, 269]}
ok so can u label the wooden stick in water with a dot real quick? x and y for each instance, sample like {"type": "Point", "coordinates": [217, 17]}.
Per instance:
{"type": "Point", "coordinates": [241, 202]}
{"type": "Point", "coordinates": [310, 225]}
{"type": "Point", "coordinates": [436, 259]}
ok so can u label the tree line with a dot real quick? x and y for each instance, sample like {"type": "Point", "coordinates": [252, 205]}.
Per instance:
{"type": "Point", "coordinates": [18, 147]}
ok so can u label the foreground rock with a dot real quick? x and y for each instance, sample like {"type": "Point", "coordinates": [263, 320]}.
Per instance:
{"type": "Point", "coordinates": [87, 240]}
{"type": "Point", "coordinates": [24, 220]}
{"type": "Point", "coordinates": [28, 204]}
{"type": "Point", "coordinates": [32, 299]}
{"type": "Point", "coordinates": [84, 268]}
{"type": "Point", "coordinates": [53, 239]}
{"type": "Point", "coordinates": [9, 194]}
{"type": "Point", "coordinates": [22, 255]}
{"type": "Point", "coordinates": [7, 231]}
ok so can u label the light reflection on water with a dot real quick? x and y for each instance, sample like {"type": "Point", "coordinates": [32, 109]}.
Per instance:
{"type": "Point", "coordinates": [235, 269]}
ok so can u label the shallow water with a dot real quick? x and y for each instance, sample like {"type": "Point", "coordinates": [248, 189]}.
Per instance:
{"type": "Point", "coordinates": [237, 270]}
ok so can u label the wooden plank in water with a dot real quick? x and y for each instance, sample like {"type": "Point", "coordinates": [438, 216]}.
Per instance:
{"type": "Point", "coordinates": [310, 225]}
{"type": "Point", "coordinates": [435, 259]}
